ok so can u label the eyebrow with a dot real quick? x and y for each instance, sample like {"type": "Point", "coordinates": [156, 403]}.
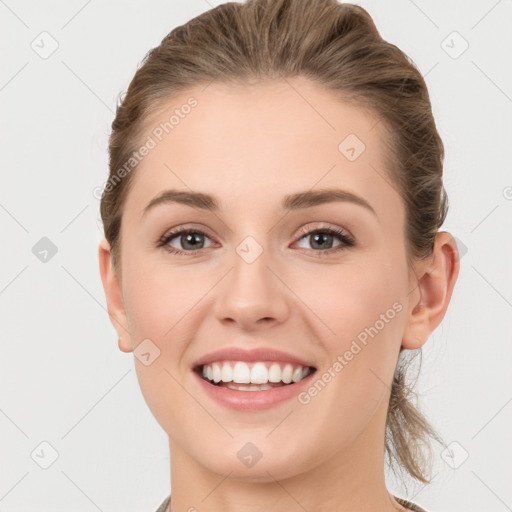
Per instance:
{"type": "Point", "coordinates": [299, 200]}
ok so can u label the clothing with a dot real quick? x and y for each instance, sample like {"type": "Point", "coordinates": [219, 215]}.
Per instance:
{"type": "Point", "coordinates": [402, 501]}
{"type": "Point", "coordinates": [407, 504]}
{"type": "Point", "coordinates": [164, 505]}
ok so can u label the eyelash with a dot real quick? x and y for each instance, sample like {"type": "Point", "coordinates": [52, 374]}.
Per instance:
{"type": "Point", "coordinates": [347, 240]}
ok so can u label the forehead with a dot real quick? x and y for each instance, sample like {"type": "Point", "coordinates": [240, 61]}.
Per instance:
{"type": "Point", "coordinates": [272, 138]}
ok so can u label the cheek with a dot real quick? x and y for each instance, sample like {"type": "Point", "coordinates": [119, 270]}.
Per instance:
{"type": "Point", "coordinates": [356, 300]}
{"type": "Point", "coordinates": [362, 306]}
{"type": "Point", "coordinates": [340, 306]}
{"type": "Point", "coordinates": [159, 297]}
{"type": "Point", "coordinates": [160, 302]}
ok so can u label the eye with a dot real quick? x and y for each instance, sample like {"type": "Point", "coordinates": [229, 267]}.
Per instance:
{"type": "Point", "coordinates": [323, 237]}
{"type": "Point", "coordinates": [192, 240]}
{"type": "Point", "coordinates": [188, 238]}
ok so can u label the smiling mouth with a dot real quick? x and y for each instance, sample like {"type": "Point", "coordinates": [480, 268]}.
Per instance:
{"type": "Point", "coordinates": [253, 376]}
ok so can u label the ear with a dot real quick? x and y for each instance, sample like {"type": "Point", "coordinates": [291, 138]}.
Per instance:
{"type": "Point", "coordinates": [432, 292]}
{"type": "Point", "coordinates": [114, 296]}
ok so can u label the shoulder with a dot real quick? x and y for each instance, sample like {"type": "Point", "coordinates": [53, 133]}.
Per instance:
{"type": "Point", "coordinates": [164, 505]}
{"type": "Point", "coordinates": [408, 504]}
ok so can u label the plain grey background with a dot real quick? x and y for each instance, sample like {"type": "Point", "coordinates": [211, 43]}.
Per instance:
{"type": "Point", "coordinates": [76, 433]}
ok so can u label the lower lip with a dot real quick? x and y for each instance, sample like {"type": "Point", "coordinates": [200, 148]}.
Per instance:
{"type": "Point", "coordinates": [253, 400]}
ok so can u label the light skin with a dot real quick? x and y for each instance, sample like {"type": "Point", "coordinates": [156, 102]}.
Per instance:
{"type": "Point", "coordinates": [250, 147]}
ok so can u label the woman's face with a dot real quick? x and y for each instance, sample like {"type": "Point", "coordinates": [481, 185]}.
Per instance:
{"type": "Point", "coordinates": [250, 278]}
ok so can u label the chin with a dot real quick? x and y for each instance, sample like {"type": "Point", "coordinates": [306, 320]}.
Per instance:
{"type": "Point", "coordinates": [266, 469]}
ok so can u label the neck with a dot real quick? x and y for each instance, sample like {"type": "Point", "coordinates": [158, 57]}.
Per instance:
{"type": "Point", "coordinates": [350, 479]}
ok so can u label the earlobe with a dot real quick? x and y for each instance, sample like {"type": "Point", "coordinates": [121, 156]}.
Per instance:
{"type": "Point", "coordinates": [430, 298]}
{"type": "Point", "coordinates": [124, 346]}
{"type": "Point", "coordinates": [113, 294]}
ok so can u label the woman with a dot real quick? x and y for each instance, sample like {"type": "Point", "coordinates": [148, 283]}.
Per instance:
{"type": "Point", "coordinates": [272, 255]}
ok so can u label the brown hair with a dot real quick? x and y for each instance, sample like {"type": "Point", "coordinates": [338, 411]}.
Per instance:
{"type": "Point", "coordinates": [337, 46]}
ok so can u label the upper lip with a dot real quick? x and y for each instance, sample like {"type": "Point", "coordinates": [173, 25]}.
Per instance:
{"type": "Point", "coordinates": [255, 354]}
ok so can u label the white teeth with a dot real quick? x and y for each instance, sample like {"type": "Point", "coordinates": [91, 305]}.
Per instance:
{"type": "Point", "coordinates": [297, 374]}
{"type": "Point", "coordinates": [227, 373]}
{"type": "Point", "coordinates": [216, 371]}
{"type": "Point", "coordinates": [259, 374]}
{"type": "Point", "coordinates": [254, 387]}
{"type": "Point", "coordinates": [240, 372]}
{"type": "Point", "coordinates": [274, 373]}
{"type": "Point", "coordinates": [286, 376]}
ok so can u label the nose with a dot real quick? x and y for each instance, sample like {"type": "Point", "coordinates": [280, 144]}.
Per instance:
{"type": "Point", "coordinates": [252, 295]}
